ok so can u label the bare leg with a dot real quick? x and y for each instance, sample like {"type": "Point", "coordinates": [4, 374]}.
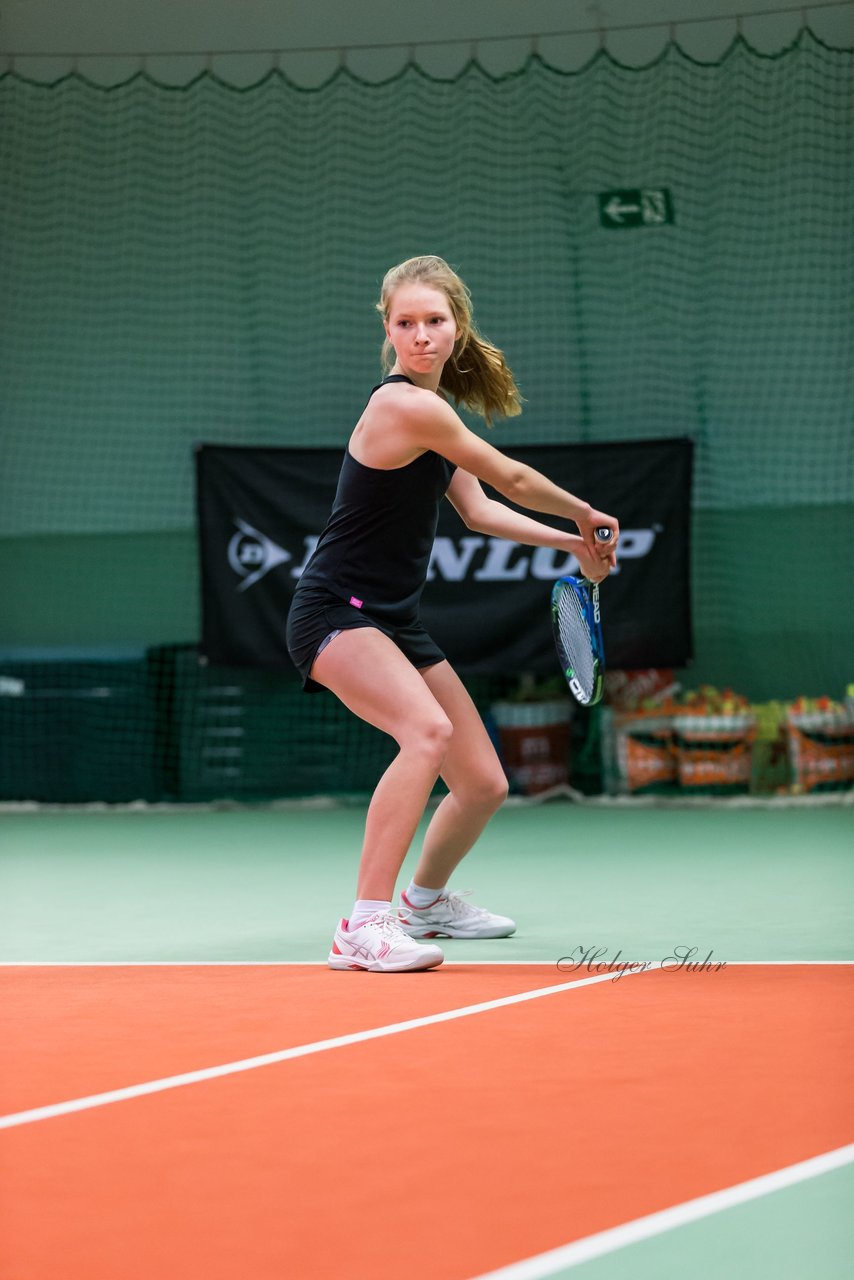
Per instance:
{"type": "Point", "coordinates": [474, 776]}
{"type": "Point", "coordinates": [371, 676]}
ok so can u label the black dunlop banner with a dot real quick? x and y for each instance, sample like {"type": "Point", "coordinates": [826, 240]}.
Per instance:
{"type": "Point", "coordinates": [486, 601]}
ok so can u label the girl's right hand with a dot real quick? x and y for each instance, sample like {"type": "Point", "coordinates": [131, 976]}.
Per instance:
{"type": "Point", "coordinates": [587, 526]}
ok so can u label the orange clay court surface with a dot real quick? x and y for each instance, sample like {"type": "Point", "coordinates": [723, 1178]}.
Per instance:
{"type": "Point", "coordinates": [546, 1121]}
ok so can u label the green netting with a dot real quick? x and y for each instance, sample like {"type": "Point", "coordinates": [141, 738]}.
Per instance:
{"type": "Point", "coordinates": [200, 263]}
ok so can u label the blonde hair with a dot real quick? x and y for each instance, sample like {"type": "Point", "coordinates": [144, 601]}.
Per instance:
{"type": "Point", "coordinates": [476, 375]}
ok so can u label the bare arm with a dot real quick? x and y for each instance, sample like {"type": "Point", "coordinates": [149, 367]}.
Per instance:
{"type": "Point", "coordinates": [433, 424]}
{"type": "Point", "coordinates": [484, 515]}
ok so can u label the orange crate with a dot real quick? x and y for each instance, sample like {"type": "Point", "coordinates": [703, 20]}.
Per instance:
{"type": "Point", "coordinates": [644, 756]}
{"type": "Point", "coordinates": [714, 753]}
{"type": "Point", "coordinates": [821, 749]}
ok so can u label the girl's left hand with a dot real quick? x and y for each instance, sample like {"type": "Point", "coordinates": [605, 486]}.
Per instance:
{"type": "Point", "coordinates": [594, 567]}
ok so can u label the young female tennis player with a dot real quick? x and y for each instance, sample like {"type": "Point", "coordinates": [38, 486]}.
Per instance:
{"type": "Point", "coordinates": [354, 624]}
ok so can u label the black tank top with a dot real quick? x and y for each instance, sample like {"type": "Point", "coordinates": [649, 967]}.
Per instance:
{"type": "Point", "coordinates": [375, 549]}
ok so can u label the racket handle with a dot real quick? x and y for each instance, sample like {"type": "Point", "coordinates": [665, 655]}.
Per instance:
{"type": "Point", "coordinates": [604, 535]}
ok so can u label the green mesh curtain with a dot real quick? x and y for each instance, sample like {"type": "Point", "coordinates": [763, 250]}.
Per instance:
{"type": "Point", "coordinates": [200, 264]}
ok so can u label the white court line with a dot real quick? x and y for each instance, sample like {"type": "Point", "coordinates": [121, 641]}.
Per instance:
{"type": "Point", "coordinates": [284, 1055]}
{"type": "Point", "coordinates": [306, 964]}
{"type": "Point", "coordinates": [595, 1246]}
{"type": "Point", "coordinates": [274, 964]}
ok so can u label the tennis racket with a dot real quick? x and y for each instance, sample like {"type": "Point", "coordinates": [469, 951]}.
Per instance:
{"type": "Point", "coordinates": [577, 625]}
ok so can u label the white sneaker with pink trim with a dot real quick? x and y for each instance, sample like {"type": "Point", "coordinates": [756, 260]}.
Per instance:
{"type": "Point", "coordinates": [452, 917]}
{"type": "Point", "coordinates": [380, 946]}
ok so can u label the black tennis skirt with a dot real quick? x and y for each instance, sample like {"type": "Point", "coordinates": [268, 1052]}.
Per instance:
{"type": "Point", "coordinates": [315, 615]}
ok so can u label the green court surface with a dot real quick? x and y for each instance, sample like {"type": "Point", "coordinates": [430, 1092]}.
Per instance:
{"type": "Point", "coordinates": [799, 1233]}
{"type": "Point", "coordinates": [268, 884]}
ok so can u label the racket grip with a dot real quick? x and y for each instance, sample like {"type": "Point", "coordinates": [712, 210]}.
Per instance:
{"type": "Point", "coordinates": [603, 535]}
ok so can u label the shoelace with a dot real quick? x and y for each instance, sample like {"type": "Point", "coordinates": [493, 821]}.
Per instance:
{"type": "Point", "coordinates": [457, 907]}
{"type": "Point", "coordinates": [388, 922]}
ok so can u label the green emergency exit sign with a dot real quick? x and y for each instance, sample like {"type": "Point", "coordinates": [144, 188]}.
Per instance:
{"type": "Point", "coordinates": [636, 208]}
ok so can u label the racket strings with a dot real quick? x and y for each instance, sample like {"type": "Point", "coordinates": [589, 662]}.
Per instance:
{"type": "Point", "coordinates": [575, 639]}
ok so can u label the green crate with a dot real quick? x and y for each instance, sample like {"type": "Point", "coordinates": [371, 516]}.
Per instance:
{"type": "Point", "coordinates": [78, 731]}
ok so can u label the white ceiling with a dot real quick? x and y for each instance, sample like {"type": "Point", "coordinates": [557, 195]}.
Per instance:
{"type": "Point", "coordinates": [438, 33]}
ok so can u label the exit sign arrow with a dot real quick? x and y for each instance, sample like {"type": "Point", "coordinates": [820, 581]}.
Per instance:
{"type": "Point", "coordinates": [639, 207]}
